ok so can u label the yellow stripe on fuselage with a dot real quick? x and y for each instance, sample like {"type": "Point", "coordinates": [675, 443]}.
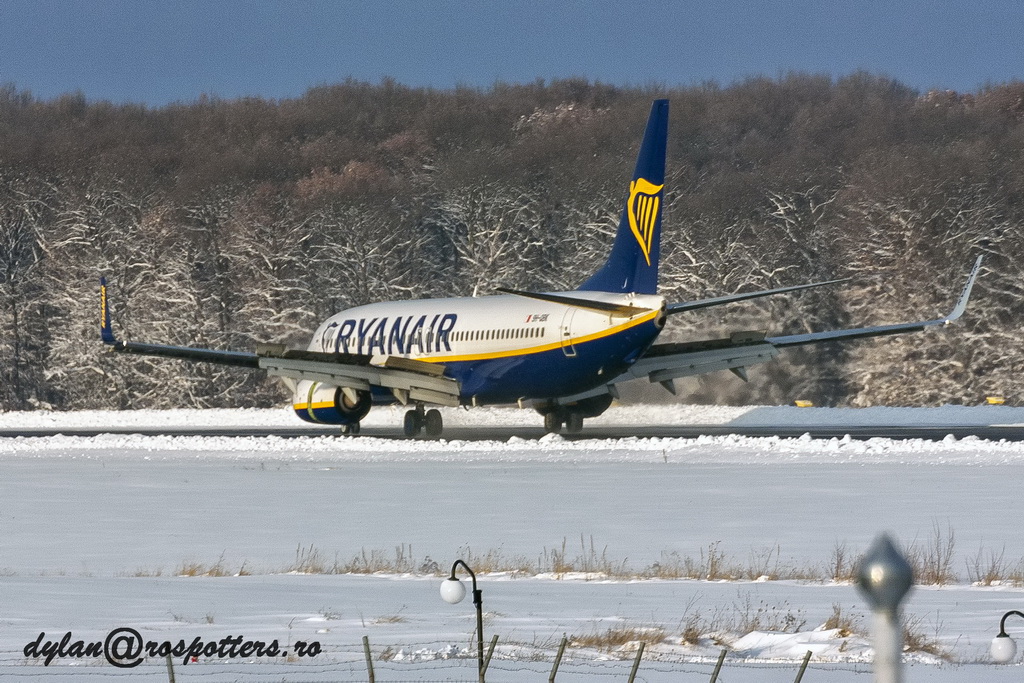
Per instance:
{"type": "Point", "coordinates": [572, 341]}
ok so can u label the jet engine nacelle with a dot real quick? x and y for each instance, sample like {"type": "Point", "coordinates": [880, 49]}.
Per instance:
{"type": "Point", "coordinates": [327, 404]}
{"type": "Point", "coordinates": [351, 405]}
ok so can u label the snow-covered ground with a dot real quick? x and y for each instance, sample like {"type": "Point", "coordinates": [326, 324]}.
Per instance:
{"type": "Point", "coordinates": [95, 533]}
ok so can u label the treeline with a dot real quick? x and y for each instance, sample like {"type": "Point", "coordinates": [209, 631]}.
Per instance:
{"type": "Point", "coordinates": [227, 222]}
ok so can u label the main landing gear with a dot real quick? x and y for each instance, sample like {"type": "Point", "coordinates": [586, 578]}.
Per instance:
{"type": "Point", "coordinates": [571, 416]}
{"type": "Point", "coordinates": [350, 429]}
{"type": "Point", "coordinates": [427, 421]}
{"type": "Point", "coordinates": [572, 420]}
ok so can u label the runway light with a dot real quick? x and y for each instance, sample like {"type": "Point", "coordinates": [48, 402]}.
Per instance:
{"type": "Point", "coordinates": [1004, 649]}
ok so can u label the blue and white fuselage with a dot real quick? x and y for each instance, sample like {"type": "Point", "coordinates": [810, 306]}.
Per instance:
{"type": "Point", "coordinates": [501, 349]}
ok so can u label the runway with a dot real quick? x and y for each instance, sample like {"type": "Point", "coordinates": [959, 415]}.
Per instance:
{"type": "Point", "coordinates": [997, 432]}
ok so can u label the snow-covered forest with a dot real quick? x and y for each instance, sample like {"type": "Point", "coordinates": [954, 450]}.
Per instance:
{"type": "Point", "coordinates": [227, 222]}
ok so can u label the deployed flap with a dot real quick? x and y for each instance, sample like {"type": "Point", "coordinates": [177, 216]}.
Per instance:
{"type": "Point", "coordinates": [282, 351]}
{"type": "Point", "coordinates": [430, 387]}
{"type": "Point", "coordinates": [418, 366]}
{"type": "Point", "coordinates": [665, 365]}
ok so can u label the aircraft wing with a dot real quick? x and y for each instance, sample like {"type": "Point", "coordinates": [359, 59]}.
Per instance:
{"type": "Point", "coordinates": [663, 363]}
{"type": "Point", "coordinates": [666, 362]}
{"type": "Point", "coordinates": [406, 379]}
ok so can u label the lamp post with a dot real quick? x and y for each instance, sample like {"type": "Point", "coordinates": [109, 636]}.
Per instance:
{"type": "Point", "coordinates": [884, 577]}
{"type": "Point", "coordinates": [452, 592]}
{"type": "Point", "coordinates": [1003, 648]}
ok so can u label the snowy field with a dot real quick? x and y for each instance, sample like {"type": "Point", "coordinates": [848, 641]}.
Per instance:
{"type": "Point", "coordinates": [103, 533]}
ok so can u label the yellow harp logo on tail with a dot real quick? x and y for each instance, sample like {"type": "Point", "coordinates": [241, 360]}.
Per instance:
{"type": "Point", "coordinates": [103, 305]}
{"type": "Point", "coordinates": [644, 203]}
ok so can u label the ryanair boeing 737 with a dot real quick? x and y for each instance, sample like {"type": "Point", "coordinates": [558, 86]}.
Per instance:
{"type": "Point", "coordinates": [563, 353]}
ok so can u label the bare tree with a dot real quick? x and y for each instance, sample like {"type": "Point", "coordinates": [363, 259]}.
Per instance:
{"type": "Point", "coordinates": [24, 210]}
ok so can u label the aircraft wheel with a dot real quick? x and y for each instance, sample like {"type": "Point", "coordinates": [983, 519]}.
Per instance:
{"type": "Point", "coordinates": [573, 422]}
{"type": "Point", "coordinates": [433, 425]}
{"type": "Point", "coordinates": [350, 429]}
{"type": "Point", "coordinates": [552, 422]}
{"type": "Point", "coordinates": [412, 423]}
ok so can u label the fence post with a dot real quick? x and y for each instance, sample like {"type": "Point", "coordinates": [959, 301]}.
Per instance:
{"type": "Point", "coordinates": [170, 669]}
{"type": "Point", "coordinates": [369, 660]}
{"type": "Point", "coordinates": [636, 662]}
{"type": "Point", "coordinates": [718, 667]}
{"type": "Point", "coordinates": [803, 667]}
{"type": "Point", "coordinates": [558, 659]}
{"type": "Point", "coordinates": [490, 651]}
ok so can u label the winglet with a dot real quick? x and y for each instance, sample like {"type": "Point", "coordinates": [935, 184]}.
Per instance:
{"type": "Point", "coordinates": [106, 333]}
{"type": "Point", "coordinates": [961, 304]}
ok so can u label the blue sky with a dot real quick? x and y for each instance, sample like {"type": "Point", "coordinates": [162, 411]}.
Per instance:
{"type": "Point", "coordinates": [157, 52]}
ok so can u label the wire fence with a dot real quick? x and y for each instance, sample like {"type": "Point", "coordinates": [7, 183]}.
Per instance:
{"type": "Point", "coordinates": [414, 662]}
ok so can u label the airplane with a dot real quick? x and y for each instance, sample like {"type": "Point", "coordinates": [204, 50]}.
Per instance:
{"type": "Point", "coordinates": [562, 353]}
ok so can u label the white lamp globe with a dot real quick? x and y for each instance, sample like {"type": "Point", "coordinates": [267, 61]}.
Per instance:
{"type": "Point", "coordinates": [452, 591]}
{"type": "Point", "coordinates": [1003, 649]}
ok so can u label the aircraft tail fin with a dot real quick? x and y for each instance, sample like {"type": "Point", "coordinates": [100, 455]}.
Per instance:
{"type": "Point", "coordinates": [632, 265]}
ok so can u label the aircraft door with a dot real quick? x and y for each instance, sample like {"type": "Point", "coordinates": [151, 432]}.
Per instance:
{"type": "Point", "coordinates": [565, 333]}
